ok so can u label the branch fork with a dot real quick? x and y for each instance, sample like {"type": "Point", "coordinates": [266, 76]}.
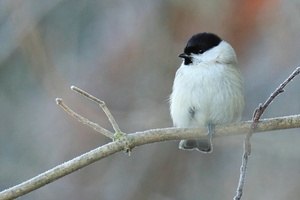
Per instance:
{"type": "Point", "coordinates": [122, 141]}
{"type": "Point", "coordinates": [118, 135]}
{"type": "Point", "coordinates": [255, 119]}
{"type": "Point", "coordinates": [123, 138]}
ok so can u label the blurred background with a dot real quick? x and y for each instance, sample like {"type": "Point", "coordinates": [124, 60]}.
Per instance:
{"type": "Point", "coordinates": [126, 53]}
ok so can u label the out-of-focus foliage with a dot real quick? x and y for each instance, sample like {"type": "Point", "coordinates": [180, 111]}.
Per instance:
{"type": "Point", "coordinates": [125, 53]}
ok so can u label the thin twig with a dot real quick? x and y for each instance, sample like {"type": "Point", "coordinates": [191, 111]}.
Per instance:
{"type": "Point", "coordinates": [256, 116]}
{"type": "Point", "coordinates": [142, 138]}
{"type": "Point", "coordinates": [261, 108]}
{"type": "Point", "coordinates": [102, 105]}
{"type": "Point", "coordinates": [83, 120]}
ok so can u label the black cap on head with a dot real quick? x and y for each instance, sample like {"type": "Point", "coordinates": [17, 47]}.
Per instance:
{"type": "Point", "coordinates": [201, 42]}
{"type": "Point", "coordinates": [198, 44]}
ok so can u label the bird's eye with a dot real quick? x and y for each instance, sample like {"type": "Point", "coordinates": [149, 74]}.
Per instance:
{"type": "Point", "coordinates": [201, 51]}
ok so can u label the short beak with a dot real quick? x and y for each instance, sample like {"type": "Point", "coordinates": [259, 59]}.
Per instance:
{"type": "Point", "coordinates": [183, 55]}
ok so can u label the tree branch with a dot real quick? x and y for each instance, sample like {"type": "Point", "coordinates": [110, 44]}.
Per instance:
{"type": "Point", "coordinates": [102, 105]}
{"type": "Point", "coordinates": [83, 120]}
{"type": "Point", "coordinates": [255, 119]}
{"type": "Point", "coordinates": [129, 141]}
{"type": "Point", "coordinates": [141, 138]}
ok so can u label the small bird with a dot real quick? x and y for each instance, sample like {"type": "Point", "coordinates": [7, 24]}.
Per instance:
{"type": "Point", "coordinates": [207, 90]}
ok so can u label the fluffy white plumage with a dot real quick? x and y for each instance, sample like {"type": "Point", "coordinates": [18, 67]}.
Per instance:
{"type": "Point", "coordinates": [208, 90]}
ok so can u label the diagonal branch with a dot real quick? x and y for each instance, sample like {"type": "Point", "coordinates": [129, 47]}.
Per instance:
{"type": "Point", "coordinates": [142, 138]}
{"type": "Point", "coordinates": [83, 120]}
{"type": "Point", "coordinates": [261, 108]}
{"type": "Point", "coordinates": [132, 140]}
{"type": "Point", "coordinates": [256, 116]}
{"type": "Point", "coordinates": [102, 105]}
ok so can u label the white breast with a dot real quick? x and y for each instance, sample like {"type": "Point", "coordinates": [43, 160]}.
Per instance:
{"type": "Point", "coordinates": [210, 89]}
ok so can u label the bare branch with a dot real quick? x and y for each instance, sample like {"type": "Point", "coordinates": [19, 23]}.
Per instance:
{"type": "Point", "coordinates": [256, 116]}
{"type": "Point", "coordinates": [102, 105]}
{"type": "Point", "coordinates": [83, 120]}
{"type": "Point", "coordinates": [141, 138]}
{"type": "Point", "coordinates": [132, 140]}
{"type": "Point", "coordinates": [261, 108]}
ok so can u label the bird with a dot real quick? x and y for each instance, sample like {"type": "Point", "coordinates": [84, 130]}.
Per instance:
{"type": "Point", "coordinates": [207, 89]}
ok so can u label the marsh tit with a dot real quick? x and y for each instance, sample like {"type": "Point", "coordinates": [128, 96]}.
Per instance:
{"type": "Point", "coordinates": [207, 90]}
